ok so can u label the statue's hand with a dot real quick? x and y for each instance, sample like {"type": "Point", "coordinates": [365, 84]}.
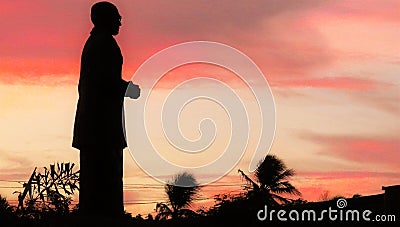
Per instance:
{"type": "Point", "coordinates": [133, 91]}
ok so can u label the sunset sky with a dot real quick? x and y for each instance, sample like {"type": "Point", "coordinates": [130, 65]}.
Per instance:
{"type": "Point", "coordinates": [333, 68]}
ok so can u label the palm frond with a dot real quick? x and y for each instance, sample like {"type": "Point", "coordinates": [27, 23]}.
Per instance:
{"type": "Point", "coordinates": [272, 177]}
{"type": "Point", "coordinates": [249, 180]}
{"type": "Point", "coordinates": [181, 191]}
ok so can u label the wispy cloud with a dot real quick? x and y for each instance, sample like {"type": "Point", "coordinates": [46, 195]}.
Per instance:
{"type": "Point", "coordinates": [346, 83]}
{"type": "Point", "coordinates": [343, 183]}
{"type": "Point", "coordinates": [360, 149]}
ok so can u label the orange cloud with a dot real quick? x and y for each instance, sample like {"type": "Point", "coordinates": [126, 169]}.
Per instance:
{"type": "Point", "coordinates": [344, 183]}
{"type": "Point", "coordinates": [39, 71]}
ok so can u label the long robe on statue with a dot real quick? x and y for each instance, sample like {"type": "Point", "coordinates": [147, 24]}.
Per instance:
{"type": "Point", "coordinates": [98, 127]}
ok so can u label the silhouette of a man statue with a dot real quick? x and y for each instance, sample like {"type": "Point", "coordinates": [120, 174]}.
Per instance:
{"type": "Point", "coordinates": [98, 128]}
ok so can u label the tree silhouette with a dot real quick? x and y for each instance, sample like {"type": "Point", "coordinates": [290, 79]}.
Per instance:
{"type": "Point", "coordinates": [8, 215]}
{"type": "Point", "coordinates": [181, 193]}
{"type": "Point", "coordinates": [271, 181]}
{"type": "Point", "coordinates": [49, 190]}
{"type": "Point", "coordinates": [5, 207]}
{"type": "Point", "coordinates": [325, 196]}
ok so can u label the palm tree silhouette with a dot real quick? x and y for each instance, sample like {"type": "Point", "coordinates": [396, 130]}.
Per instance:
{"type": "Point", "coordinates": [271, 180]}
{"type": "Point", "coordinates": [181, 192]}
{"type": "Point", "coordinates": [5, 207]}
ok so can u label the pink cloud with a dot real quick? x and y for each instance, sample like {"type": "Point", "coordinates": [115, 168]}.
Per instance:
{"type": "Point", "coordinates": [15, 167]}
{"type": "Point", "coordinates": [54, 32]}
{"type": "Point", "coordinates": [385, 98]}
{"type": "Point", "coordinates": [346, 175]}
{"type": "Point", "coordinates": [278, 36]}
{"type": "Point", "coordinates": [365, 10]}
{"type": "Point", "coordinates": [332, 82]}
{"type": "Point", "coordinates": [359, 149]}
